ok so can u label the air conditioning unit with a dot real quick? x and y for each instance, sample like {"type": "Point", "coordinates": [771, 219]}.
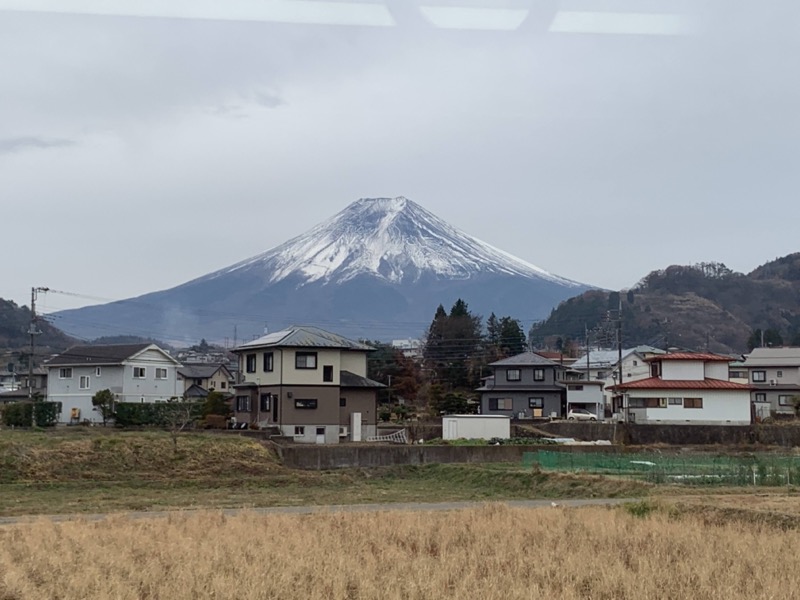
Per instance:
{"type": "Point", "coordinates": [773, 382]}
{"type": "Point", "coordinates": [343, 431]}
{"type": "Point", "coordinates": [662, 403]}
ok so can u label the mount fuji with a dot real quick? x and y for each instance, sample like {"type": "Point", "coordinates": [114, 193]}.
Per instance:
{"type": "Point", "coordinates": [378, 270]}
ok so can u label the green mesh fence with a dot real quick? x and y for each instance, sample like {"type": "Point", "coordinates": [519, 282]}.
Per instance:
{"type": "Point", "coordinates": [689, 469]}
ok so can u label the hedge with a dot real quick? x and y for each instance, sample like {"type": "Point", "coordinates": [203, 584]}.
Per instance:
{"type": "Point", "coordinates": [23, 414]}
{"type": "Point", "coordinates": [145, 414]}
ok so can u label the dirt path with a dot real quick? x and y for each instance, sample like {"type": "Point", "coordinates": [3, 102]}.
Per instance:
{"type": "Point", "coordinates": [399, 506]}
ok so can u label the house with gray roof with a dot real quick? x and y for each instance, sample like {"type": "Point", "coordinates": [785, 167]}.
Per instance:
{"type": "Point", "coordinates": [774, 374]}
{"type": "Point", "coordinates": [132, 372]}
{"type": "Point", "coordinates": [525, 386]}
{"type": "Point", "coordinates": [309, 383]}
{"type": "Point", "coordinates": [198, 379]}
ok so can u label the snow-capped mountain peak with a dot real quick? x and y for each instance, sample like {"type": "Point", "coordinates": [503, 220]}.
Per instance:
{"type": "Point", "coordinates": [393, 239]}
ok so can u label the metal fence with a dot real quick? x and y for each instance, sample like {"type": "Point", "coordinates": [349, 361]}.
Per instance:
{"type": "Point", "coordinates": [687, 469]}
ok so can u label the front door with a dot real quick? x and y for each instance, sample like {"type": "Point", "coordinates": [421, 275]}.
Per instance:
{"type": "Point", "coordinates": [320, 435]}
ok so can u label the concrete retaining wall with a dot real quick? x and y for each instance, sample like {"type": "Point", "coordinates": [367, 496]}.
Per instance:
{"type": "Point", "coordinates": [679, 435]}
{"type": "Point", "coordinates": [356, 455]}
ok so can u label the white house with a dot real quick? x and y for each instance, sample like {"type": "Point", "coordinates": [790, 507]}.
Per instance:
{"type": "Point", "coordinates": [132, 372]}
{"type": "Point", "coordinates": [603, 365]}
{"type": "Point", "coordinates": [687, 387]}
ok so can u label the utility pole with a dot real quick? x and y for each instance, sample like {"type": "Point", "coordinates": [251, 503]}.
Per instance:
{"type": "Point", "coordinates": [619, 354]}
{"type": "Point", "coordinates": [33, 333]}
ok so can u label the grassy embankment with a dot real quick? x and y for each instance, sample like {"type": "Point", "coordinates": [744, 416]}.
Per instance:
{"type": "Point", "coordinates": [492, 553]}
{"type": "Point", "coordinates": [86, 471]}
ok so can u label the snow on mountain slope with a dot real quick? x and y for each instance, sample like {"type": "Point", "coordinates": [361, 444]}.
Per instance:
{"type": "Point", "coordinates": [393, 239]}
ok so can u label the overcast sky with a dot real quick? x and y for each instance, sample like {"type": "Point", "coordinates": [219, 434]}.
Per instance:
{"type": "Point", "coordinates": [599, 139]}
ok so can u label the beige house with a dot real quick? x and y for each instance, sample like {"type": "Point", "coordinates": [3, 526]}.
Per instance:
{"type": "Point", "coordinates": [309, 383]}
{"type": "Point", "coordinates": [200, 378]}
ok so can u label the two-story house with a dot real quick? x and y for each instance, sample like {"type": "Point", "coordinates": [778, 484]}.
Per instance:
{"type": "Point", "coordinates": [774, 374]}
{"type": "Point", "coordinates": [687, 387]}
{"type": "Point", "coordinates": [198, 379]}
{"type": "Point", "coordinates": [525, 386]}
{"type": "Point", "coordinates": [132, 372]}
{"type": "Point", "coordinates": [603, 365]}
{"type": "Point", "coordinates": [309, 383]}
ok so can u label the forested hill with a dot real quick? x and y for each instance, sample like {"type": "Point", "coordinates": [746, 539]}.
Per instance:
{"type": "Point", "coordinates": [14, 327]}
{"type": "Point", "coordinates": [698, 306]}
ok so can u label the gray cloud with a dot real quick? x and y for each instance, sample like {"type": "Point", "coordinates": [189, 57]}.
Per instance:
{"type": "Point", "coordinates": [18, 144]}
{"type": "Point", "coordinates": [599, 157]}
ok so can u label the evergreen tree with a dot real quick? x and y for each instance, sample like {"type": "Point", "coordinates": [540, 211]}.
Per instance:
{"type": "Point", "coordinates": [512, 338]}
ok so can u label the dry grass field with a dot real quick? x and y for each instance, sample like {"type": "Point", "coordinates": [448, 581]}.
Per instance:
{"type": "Point", "coordinates": [489, 553]}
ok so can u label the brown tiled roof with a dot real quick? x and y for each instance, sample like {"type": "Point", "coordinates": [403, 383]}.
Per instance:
{"type": "Point", "coordinates": [656, 383]}
{"type": "Point", "coordinates": [704, 356]}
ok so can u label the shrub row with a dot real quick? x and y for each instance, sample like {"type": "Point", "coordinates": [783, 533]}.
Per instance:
{"type": "Point", "coordinates": [23, 414]}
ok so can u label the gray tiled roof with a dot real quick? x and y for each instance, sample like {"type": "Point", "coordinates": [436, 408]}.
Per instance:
{"type": "Point", "coordinates": [523, 360]}
{"type": "Point", "coordinates": [304, 337]}
{"type": "Point", "coordinates": [96, 355]}
{"type": "Point", "coordinates": [773, 357]}
{"type": "Point", "coordinates": [195, 391]}
{"type": "Point", "coordinates": [351, 380]}
{"type": "Point", "coordinates": [199, 370]}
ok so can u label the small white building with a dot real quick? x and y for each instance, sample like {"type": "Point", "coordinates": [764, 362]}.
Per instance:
{"type": "Point", "coordinates": [587, 395]}
{"type": "Point", "coordinates": [687, 387]}
{"type": "Point", "coordinates": [476, 427]}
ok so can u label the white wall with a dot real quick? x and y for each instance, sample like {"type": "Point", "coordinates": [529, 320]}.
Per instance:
{"type": "Point", "coordinates": [725, 407]}
{"type": "Point", "coordinates": [717, 370]}
{"type": "Point", "coordinates": [683, 370]}
{"type": "Point", "coordinates": [475, 427]}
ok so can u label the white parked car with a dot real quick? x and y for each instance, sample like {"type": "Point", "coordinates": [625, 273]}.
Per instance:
{"type": "Point", "coordinates": [580, 414]}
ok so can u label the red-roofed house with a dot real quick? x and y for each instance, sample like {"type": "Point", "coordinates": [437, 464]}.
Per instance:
{"type": "Point", "coordinates": [687, 387]}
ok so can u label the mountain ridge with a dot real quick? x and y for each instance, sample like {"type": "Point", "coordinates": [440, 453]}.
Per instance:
{"type": "Point", "coordinates": [706, 305]}
{"type": "Point", "coordinates": [378, 268]}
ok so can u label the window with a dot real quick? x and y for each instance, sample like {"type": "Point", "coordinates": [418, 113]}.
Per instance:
{"type": "Point", "coordinates": [342, 402]}
{"type": "Point", "coordinates": [139, 372]}
{"type": "Point", "coordinates": [308, 404]}
{"type": "Point", "coordinates": [327, 373]}
{"type": "Point", "coordinates": [655, 369]}
{"type": "Point", "coordinates": [198, 382]}
{"type": "Point", "coordinates": [243, 403]}
{"type": "Point", "coordinates": [785, 400]}
{"type": "Point", "coordinates": [575, 388]}
{"type": "Point", "coordinates": [676, 401]}
{"type": "Point", "coordinates": [636, 402]}
{"type": "Point", "coordinates": [250, 363]}
{"type": "Point", "coordinates": [636, 363]}
{"type": "Point", "coordinates": [692, 403]}
{"type": "Point", "coordinates": [161, 373]}
{"type": "Point", "coordinates": [759, 376]}
{"type": "Point", "coordinates": [500, 404]}
{"type": "Point", "coordinates": [269, 363]}
{"type": "Point", "coordinates": [299, 430]}
{"type": "Point", "coordinates": [84, 382]}
{"type": "Point", "coordinates": [65, 373]}
{"type": "Point", "coordinates": [780, 373]}
{"type": "Point", "coordinates": [655, 402]}
{"type": "Point", "coordinates": [264, 402]}
{"type": "Point", "coordinates": [223, 385]}
{"type": "Point", "coordinates": [601, 375]}
{"type": "Point", "coordinates": [97, 372]}
{"type": "Point", "coordinates": [538, 374]}
{"type": "Point", "coordinates": [535, 402]}
{"type": "Point", "coordinates": [305, 360]}
{"type": "Point", "coordinates": [513, 375]}
{"type": "Point", "coordinates": [761, 397]}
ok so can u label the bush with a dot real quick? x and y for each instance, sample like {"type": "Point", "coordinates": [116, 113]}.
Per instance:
{"type": "Point", "coordinates": [25, 414]}
{"type": "Point", "coordinates": [146, 414]}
